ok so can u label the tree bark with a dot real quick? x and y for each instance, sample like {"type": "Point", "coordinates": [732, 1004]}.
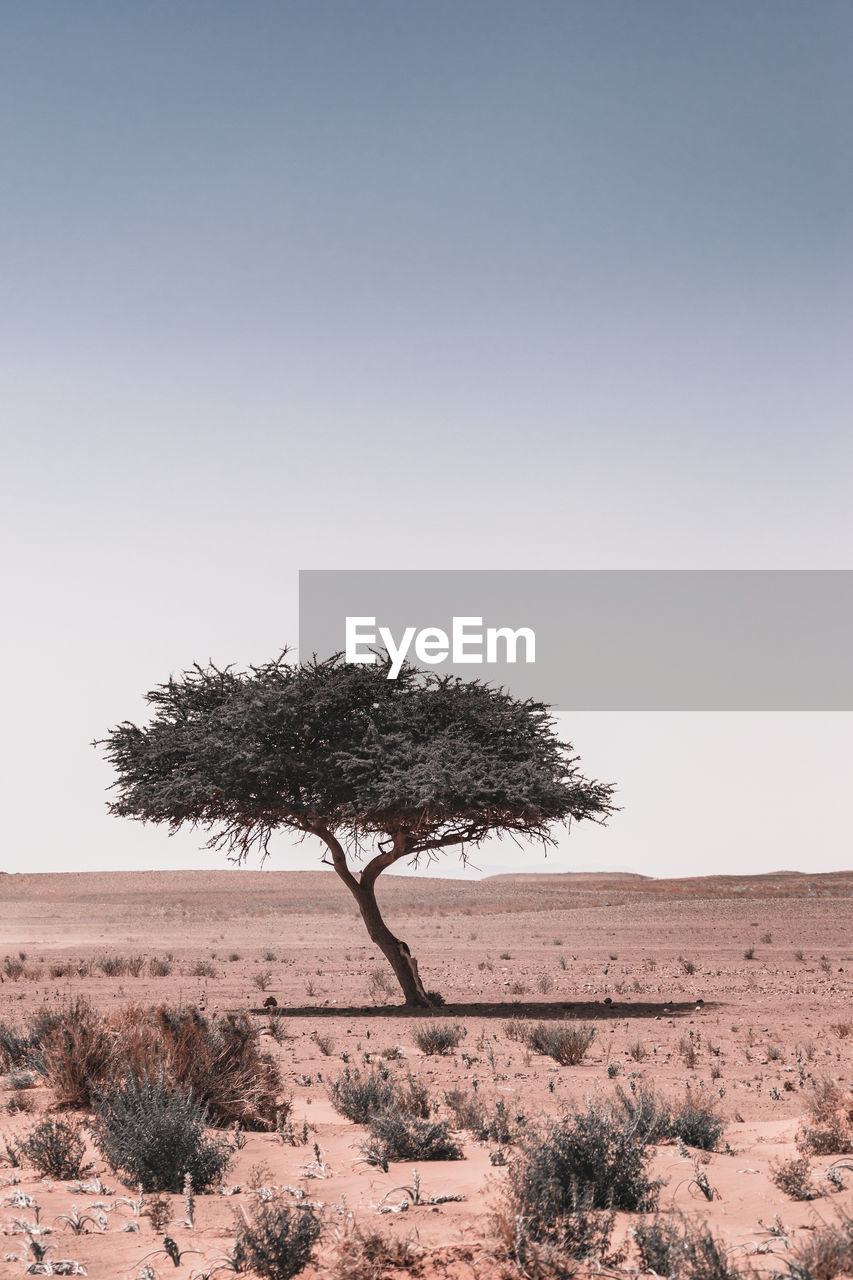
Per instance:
{"type": "Point", "coordinates": [396, 952]}
{"type": "Point", "coordinates": [398, 955]}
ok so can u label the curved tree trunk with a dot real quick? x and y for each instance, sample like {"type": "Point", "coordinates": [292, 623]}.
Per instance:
{"type": "Point", "coordinates": [363, 890]}
{"type": "Point", "coordinates": [394, 949]}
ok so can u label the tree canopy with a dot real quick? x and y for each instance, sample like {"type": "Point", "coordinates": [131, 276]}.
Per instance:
{"type": "Point", "coordinates": [390, 768]}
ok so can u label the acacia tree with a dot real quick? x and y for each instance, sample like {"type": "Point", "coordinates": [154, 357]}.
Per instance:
{"type": "Point", "coordinates": [379, 770]}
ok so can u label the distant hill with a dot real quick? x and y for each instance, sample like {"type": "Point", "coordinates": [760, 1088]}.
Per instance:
{"type": "Point", "coordinates": [176, 895]}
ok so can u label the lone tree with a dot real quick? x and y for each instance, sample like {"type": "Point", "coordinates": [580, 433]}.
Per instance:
{"type": "Point", "coordinates": [377, 769]}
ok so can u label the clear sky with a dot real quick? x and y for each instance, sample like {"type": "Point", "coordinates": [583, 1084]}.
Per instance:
{"type": "Point", "coordinates": [541, 284]}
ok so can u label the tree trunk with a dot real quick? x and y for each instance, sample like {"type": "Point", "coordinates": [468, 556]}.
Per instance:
{"type": "Point", "coordinates": [394, 949]}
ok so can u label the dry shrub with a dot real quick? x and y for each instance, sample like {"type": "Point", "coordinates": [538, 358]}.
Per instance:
{"type": "Point", "coordinates": [829, 1127]}
{"type": "Point", "coordinates": [696, 1121]}
{"type": "Point", "coordinates": [16, 1047]}
{"type": "Point", "coordinates": [824, 1253]}
{"type": "Point", "coordinates": [153, 1134]}
{"type": "Point", "coordinates": [564, 1042]}
{"type": "Point", "coordinates": [76, 1051]}
{"type": "Point", "coordinates": [595, 1159]}
{"type": "Point", "coordinates": [379, 982]}
{"type": "Point", "coordinates": [56, 1149]}
{"type": "Point", "coordinates": [688, 1251]}
{"type": "Point", "coordinates": [794, 1177]}
{"type": "Point", "coordinates": [360, 1097]}
{"type": "Point", "coordinates": [487, 1122]}
{"type": "Point", "coordinates": [578, 1238]}
{"type": "Point", "coordinates": [397, 1136]}
{"type": "Point", "coordinates": [438, 1037]}
{"type": "Point", "coordinates": [221, 1061]}
{"type": "Point", "coordinates": [277, 1240]}
{"type": "Point", "coordinates": [359, 1252]}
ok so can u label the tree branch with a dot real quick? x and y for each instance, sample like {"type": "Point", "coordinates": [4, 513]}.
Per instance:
{"type": "Point", "coordinates": [377, 865]}
{"type": "Point", "coordinates": [339, 858]}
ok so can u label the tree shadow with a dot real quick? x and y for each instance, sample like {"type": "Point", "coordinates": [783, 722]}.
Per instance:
{"type": "Point", "coordinates": [542, 1010]}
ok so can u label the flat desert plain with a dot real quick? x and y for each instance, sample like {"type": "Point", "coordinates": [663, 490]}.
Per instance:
{"type": "Point", "coordinates": [736, 989]}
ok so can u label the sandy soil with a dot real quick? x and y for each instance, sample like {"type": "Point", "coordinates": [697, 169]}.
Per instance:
{"type": "Point", "coordinates": [685, 1008]}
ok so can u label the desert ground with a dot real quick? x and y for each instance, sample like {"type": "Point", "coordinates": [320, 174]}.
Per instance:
{"type": "Point", "coordinates": [738, 989]}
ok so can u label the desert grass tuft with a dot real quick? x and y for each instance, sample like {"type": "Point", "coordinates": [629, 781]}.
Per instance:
{"type": "Point", "coordinates": [438, 1037]}
{"type": "Point", "coordinates": [567, 1043]}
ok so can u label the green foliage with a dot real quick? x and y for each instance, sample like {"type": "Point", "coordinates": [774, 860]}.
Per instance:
{"type": "Point", "coordinates": [360, 1096]}
{"type": "Point", "coordinates": [488, 1123]}
{"type": "Point", "coordinates": [153, 1134]}
{"type": "Point", "coordinates": [277, 1241]}
{"type": "Point", "coordinates": [55, 1148]}
{"type": "Point", "coordinates": [336, 745]}
{"type": "Point", "coordinates": [596, 1158]}
{"type": "Point", "coordinates": [396, 1136]}
{"type": "Point", "coordinates": [689, 1253]}
{"type": "Point", "coordinates": [696, 1122]}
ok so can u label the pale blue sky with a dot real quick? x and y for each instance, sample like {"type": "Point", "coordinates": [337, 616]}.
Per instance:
{"type": "Point", "coordinates": [416, 285]}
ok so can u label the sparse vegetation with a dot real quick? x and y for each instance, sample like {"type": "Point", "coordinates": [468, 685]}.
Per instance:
{"type": "Point", "coordinates": [277, 1239]}
{"type": "Point", "coordinates": [487, 1123]}
{"type": "Point", "coordinates": [324, 1043]}
{"type": "Point", "coordinates": [379, 983]}
{"type": "Point", "coordinates": [438, 1037]}
{"type": "Point", "coordinates": [566, 1043]}
{"type": "Point", "coordinates": [152, 1135]}
{"type": "Point", "coordinates": [824, 1253]}
{"type": "Point", "coordinates": [54, 1147]}
{"type": "Point", "coordinates": [397, 1136]}
{"type": "Point", "coordinates": [360, 1253]}
{"type": "Point", "coordinates": [687, 1251]}
{"type": "Point", "coordinates": [828, 1128]}
{"type": "Point", "coordinates": [565, 1181]}
{"type": "Point", "coordinates": [696, 1122]}
{"type": "Point", "coordinates": [794, 1177]}
{"type": "Point", "coordinates": [358, 1095]}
